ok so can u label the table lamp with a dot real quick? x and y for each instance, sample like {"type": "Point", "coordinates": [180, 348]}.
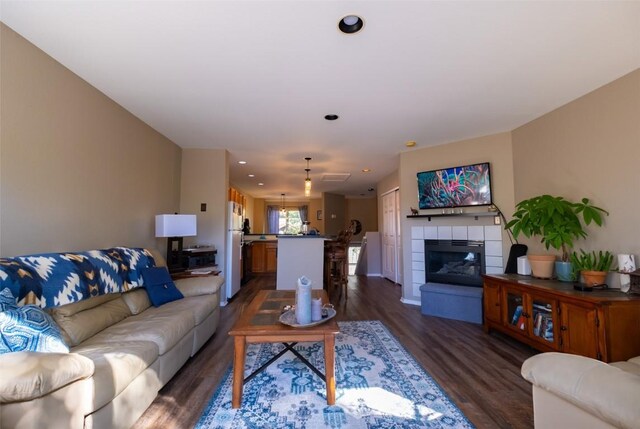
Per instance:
{"type": "Point", "coordinates": [175, 227]}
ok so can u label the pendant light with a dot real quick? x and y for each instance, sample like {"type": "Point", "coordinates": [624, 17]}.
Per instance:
{"type": "Point", "coordinates": [307, 181]}
{"type": "Point", "coordinates": [282, 208]}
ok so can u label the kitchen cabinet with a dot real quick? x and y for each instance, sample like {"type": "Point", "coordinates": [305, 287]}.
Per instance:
{"type": "Point", "coordinates": [551, 316]}
{"type": "Point", "coordinates": [264, 257]}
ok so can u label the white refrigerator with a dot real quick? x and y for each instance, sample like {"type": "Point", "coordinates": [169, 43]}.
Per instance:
{"type": "Point", "coordinates": [234, 254]}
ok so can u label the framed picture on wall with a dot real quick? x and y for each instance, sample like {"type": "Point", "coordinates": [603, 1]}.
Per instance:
{"type": "Point", "coordinates": [319, 215]}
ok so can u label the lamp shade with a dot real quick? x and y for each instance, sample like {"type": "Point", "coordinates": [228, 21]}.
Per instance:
{"type": "Point", "coordinates": [175, 225]}
{"type": "Point", "coordinates": [307, 187]}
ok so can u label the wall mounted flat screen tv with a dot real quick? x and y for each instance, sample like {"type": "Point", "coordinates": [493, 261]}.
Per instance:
{"type": "Point", "coordinates": [464, 186]}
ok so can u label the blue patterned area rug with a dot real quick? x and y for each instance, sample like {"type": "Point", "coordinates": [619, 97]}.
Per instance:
{"type": "Point", "coordinates": [379, 385]}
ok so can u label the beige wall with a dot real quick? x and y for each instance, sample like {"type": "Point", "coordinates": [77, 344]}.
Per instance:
{"type": "Point", "coordinates": [77, 171]}
{"type": "Point", "coordinates": [333, 213]}
{"type": "Point", "coordinates": [315, 204]}
{"type": "Point", "coordinates": [496, 149]}
{"type": "Point", "coordinates": [588, 148]}
{"type": "Point", "coordinates": [205, 180]}
{"type": "Point", "coordinates": [366, 211]}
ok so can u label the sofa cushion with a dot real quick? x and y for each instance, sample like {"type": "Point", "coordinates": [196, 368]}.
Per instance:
{"type": "Point", "coordinates": [29, 375]}
{"type": "Point", "coordinates": [632, 365]}
{"type": "Point", "coordinates": [195, 286]}
{"type": "Point", "coordinates": [158, 258]}
{"type": "Point", "coordinates": [200, 307]}
{"type": "Point", "coordinates": [165, 328]}
{"type": "Point", "coordinates": [137, 300]}
{"type": "Point", "coordinates": [159, 286]}
{"type": "Point", "coordinates": [84, 324]}
{"type": "Point", "coordinates": [7, 300]}
{"type": "Point", "coordinates": [85, 304]}
{"type": "Point", "coordinates": [116, 366]}
{"type": "Point", "coordinates": [29, 328]}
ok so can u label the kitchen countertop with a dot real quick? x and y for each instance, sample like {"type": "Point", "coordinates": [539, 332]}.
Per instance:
{"type": "Point", "coordinates": [301, 236]}
{"type": "Point", "coordinates": [271, 238]}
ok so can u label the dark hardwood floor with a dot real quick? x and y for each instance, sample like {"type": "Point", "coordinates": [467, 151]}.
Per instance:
{"type": "Point", "coordinates": [479, 372]}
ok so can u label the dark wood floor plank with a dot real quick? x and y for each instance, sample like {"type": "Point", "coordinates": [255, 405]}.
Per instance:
{"type": "Point", "coordinates": [479, 372]}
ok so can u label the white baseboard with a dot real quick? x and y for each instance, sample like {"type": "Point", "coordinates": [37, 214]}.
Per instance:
{"type": "Point", "coordinates": [410, 301]}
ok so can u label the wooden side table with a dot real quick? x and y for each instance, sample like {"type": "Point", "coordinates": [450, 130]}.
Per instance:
{"type": "Point", "coordinates": [190, 273]}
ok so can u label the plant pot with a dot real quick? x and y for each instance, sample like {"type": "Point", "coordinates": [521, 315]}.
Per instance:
{"type": "Point", "coordinates": [594, 278]}
{"type": "Point", "coordinates": [542, 265]}
{"type": "Point", "coordinates": [564, 271]}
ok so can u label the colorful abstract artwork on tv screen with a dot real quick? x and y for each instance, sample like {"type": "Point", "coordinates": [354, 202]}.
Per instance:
{"type": "Point", "coordinates": [464, 186]}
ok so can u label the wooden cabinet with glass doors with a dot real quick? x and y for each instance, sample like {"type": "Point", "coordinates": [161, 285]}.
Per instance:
{"type": "Point", "coordinates": [552, 316]}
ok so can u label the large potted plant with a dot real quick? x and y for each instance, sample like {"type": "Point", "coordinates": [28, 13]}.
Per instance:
{"type": "Point", "coordinates": [593, 266]}
{"type": "Point", "coordinates": [558, 222]}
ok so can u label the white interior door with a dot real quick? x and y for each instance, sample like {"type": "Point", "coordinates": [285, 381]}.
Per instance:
{"type": "Point", "coordinates": [390, 226]}
{"type": "Point", "coordinates": [398, 239]}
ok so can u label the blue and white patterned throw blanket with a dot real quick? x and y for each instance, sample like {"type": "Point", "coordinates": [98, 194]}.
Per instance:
{"type": "Point", "coordinates": [379, 385]}
{"type": "Point", "coordinates": [53, 279]}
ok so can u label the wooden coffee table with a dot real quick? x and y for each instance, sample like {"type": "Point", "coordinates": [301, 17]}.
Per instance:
{"type": "Point", "coordinates": [259, 324]}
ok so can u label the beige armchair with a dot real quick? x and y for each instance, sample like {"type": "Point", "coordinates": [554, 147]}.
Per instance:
{"type": "Point", "coordinates": [571, 391]}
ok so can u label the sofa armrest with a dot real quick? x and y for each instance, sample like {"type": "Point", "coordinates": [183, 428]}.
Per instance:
{"type": "Point", "coordinates": [29, 375]}
{"type": "Point", "coordinates": [204, 285]}
{"type": "Point", "coordinates": [603, 390]}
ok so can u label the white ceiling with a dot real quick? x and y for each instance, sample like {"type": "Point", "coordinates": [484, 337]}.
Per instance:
{"type": "Point", "coordinates": [257, 77]}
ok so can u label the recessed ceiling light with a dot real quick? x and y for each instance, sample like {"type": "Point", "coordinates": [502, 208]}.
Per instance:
{"type": "Point", "coordinates": [331, 117]}
{"type": "Point", "coordinates": [260, 184]}
{"type": "Point", "coordinates": [251, 175]}
{"type": "Point", "coordinates": [366, 170]}
{"type": "Point", "coordinates": [242, 162]}
{"type": "Point", "coordinates": [350, 24]}
{"type": "Point", "coordinates": [410, 143]}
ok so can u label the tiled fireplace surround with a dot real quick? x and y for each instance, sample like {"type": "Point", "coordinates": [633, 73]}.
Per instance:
{"type": "Point", "coordinates": [490, 234]}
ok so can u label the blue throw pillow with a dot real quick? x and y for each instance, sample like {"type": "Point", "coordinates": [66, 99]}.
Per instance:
{"type": "Point", "coordinates": [159, 286]}
{"type": "Point", "coordinates": [29, 328]}
{"type": "Point", "coordinates": [7, 300]}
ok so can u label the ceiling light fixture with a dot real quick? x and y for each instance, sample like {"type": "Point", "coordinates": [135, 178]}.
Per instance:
{"type": "Point", "coordinates": [410, 143]}
{"type": "Point", "coordinates": [331, 117]}
{"type": "Point", "coordinates": [366, 170]}
{"type": "Point", "coordinates": [242, 162]}
{"type": "Point", "coordinates": [350, 24]}
{"type": "Point", "coordinates": [260, 184]}
{"type": "Point", "coordinates": [307, 181]}
{"type": "Point", "coordinates": [282, 208]}
{"type": "Point", "coordinates": [251, 175]}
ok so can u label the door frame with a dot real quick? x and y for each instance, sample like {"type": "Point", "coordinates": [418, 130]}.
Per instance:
{"type": "Point", "coordinates": [397, 275]}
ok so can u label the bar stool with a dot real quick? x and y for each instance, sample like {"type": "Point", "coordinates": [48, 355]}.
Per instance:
{"type": "Point", "coordinates": [336, 270]}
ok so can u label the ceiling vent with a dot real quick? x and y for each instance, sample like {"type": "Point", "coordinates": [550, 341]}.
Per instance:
{"type": "Point", "coordinates": [335, 177]}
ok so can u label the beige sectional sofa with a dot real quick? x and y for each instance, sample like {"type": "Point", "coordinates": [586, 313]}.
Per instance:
{"type": "Point", "coordinates": [576, 392]}
{"type": "Point", "coordinates": [123, 350]}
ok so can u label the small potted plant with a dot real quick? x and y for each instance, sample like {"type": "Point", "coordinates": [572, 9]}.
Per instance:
{"type": "Point", "coordinates": [558, 222]}
{"type": "Point", "coordinates": [592, 266]}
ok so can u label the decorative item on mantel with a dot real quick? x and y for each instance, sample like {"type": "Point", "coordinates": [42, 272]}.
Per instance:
{"type": "Point", "coordinates": [634, 286]}
{"type": "Point", "coordinates": [626, 265]}
{"type": "Point", "coordinates": [414, 212]}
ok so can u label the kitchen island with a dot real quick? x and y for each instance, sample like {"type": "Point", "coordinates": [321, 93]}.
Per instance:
{"type": "Point", "coordinates": [300, 255]}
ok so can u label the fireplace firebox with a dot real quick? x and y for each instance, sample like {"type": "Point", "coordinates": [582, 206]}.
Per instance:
{"type": "Point", "coordinates": [457, 262]}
